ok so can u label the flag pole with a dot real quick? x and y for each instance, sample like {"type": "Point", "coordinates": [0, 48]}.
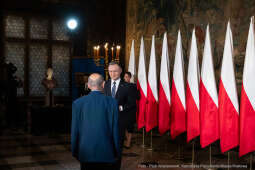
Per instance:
{"type": "Point", "coordinates": [210, 168]}
{"type": "Point", "coordinates": [228, 159]}
{"type": "Point", "coordinates": [193, 153]}
{"type": "Point", "coordinates": [251, 161]}
{"type": "Point", "coordinates": [150, 149]}
{"type": "Point", "coordinates": [210, 155]}
{"type": "Point", "coordinates": [180, 156]}
{"type": "Point", "coordinates": [179, 152]}
{"type": "Point", "coordinates": [137, 138]}
{"type": "Point", "coordinates": [143, 145]}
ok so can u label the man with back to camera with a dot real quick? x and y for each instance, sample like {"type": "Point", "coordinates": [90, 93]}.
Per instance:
{"type": "Point", "coordinates": [119, 90]}
{"type": "Point", "coordinates": [95, 128]}
{"type": "Point", "coordinates": [132, 113]}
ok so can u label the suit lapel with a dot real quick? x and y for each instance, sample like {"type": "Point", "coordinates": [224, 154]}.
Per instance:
{"type": "Point", "coordinates": [108, 88]}
{"type": "Point", "coordinates": [119, 89]}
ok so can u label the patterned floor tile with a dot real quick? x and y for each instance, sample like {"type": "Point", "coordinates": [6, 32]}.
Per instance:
{"type": "Point", "coordinates": [30, 168]}
{"type": "Point", "coordinates": [27, 152]}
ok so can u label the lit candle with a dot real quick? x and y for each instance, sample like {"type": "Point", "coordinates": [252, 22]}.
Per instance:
{"type": "Point", "coordinates": [112, 52]}
{"type": "Point", "coordinates": [95, 48]}
{"type": "Point", "coordinates": [106, 49]}
{"type": "Point", "coordinates": [118, 53]}
{"type": "Point", "coordinates": [98, 47]}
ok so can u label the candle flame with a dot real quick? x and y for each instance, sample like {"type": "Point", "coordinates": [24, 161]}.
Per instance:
{"type": "Point", "coordinates": [106, 45]}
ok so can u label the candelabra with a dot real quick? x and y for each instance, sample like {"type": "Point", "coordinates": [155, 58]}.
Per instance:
{"type": "Point", "coordinates": [96, 55]}
{"type": "Point", "coordinates": [115, 51]}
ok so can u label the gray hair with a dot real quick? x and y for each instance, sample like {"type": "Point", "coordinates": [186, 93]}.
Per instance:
{"type": "Point", "coordinates": [96, 82]}
{"type": "Point", "coordinates": [115, 63]}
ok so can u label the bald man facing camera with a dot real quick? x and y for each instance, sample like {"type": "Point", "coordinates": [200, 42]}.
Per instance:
{"type": "Point", "coordinates": [95, 129]}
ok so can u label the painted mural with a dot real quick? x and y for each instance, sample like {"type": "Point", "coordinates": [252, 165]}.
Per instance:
{"type": "Point", "coordinates": [148, 17]}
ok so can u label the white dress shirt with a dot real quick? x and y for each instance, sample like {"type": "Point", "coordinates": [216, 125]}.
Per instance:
{"type": "Point", "coordinates": [117, 84]}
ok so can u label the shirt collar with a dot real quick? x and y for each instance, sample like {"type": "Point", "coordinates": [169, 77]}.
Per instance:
{"type": "Point", "coordinates": [117, 81]}
{"type": "Point", "coordinates": [95, 92]}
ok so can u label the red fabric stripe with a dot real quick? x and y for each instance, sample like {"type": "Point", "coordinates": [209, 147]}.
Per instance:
{"type": "Point", "coordinates": [209, 118]}
{"type": "Point", "coordinates": [141, 108]}
{"type": "Point", "coordinates": [164, 112]}
{"type": "Point", "coordinates": [193, 123]}
{"type": "Point", "coordinates": [247, 125]}
{"type": "Point", "coordinates": [229, 121]}
{"type": "Point", "coordinates": [151, 116]}
{"type": "Point", "coordinates": [178, 114]}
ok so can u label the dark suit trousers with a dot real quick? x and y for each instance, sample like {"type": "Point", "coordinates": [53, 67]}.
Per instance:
{"type": "Point", "coordinates": [122, 130]}
{"type": "Point", "coordinates": [98, 166]}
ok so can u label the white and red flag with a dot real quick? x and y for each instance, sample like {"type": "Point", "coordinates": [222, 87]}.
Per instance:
{"type": "Point", "coordinates": [192, 92]}
{"type": "Point", "coordinates": [164, 90]}
{"type": "Point", "coordinates": [142, 87]}
{"type": "Point", "coordinates": [178, 105]}
{"type": "Point", "coordinates": [247, 108]}
{"type": "Point", "coordinates": [151, 117]}
{"type": "Point", "coordinates": [209, 115]}
{"type": "Point", "coordinates": [228, 101]}
{"type": "Point", "coordinates": [131, 65]}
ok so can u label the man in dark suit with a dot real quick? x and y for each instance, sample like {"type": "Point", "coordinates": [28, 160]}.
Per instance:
{"type": "Point", "coordinates": [119, 90]}
{"type": "Point", "coordinates": [95, 128]}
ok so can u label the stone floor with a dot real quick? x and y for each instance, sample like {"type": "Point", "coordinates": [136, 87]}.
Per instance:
{"type": "Point", "coordinates": [21, 151]}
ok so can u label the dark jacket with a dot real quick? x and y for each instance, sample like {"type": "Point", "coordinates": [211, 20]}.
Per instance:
{"type": "Point", "coordinates": [123, 96]}
{"type": "Point", "coordinates": [95, 129]}
{"type": "Point", "coordinates": [125, 100]}
{"type": "Point", "coordinates": [135, 95]}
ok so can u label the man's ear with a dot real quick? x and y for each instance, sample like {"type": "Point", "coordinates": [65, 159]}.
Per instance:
{"type": "Point", "coordinates": [103, 84]}
{"type": "Point", "coordinates": [89, 86]}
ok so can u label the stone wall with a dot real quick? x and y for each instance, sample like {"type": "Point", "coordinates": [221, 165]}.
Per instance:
{"type": "Point", "coordinates": [148, 17]}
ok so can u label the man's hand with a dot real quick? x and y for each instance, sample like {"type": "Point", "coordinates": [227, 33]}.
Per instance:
{"type": "Point", "coordinates": [120, 108]}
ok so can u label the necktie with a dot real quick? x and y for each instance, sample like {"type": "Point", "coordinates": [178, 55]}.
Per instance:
{"type": "Point", "coordinates": [113, 89]}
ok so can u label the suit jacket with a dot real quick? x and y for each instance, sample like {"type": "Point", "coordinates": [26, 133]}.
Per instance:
{"type": "Point", "coordinates": [135, 95]}
{"type": "Point", "coordinates": [124, 97]}
{"type": "Point", "coordinates": [95, 128]}
{"type": "Point", "coordinates": [135, 92]}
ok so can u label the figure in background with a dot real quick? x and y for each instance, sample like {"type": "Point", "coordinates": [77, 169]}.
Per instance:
{"type": "Point", "coordinates": [86, 87]}
{"type": "Point", "coordinates": [10, 84]}
{"type": "Point", "coordinates": [3, 95]}
{"type": "Point", "coordinates": [49, 83]}
{"type": "Point", "coordinates": [131, 118]}
{"type": "Point", "coordinates": [83, 88]}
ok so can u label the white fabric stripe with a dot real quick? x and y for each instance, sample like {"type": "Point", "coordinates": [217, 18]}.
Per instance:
{"type": "Point", "coordinates": [142, 78]}
{"type": "Point", "coordinates": [193, 70]}
{"type": "Point", "coordinates": [131, 65]}
{"type": "Point", "coordinates": [178, 73]}
{"type": "Point", "coordinates": [207, 70]}
{"type": "Point", "coordinates": [165, 69]}
{"type": "Point", "coordinates": [227, 69]}
{"type": "Point", "coordinates": [249, 66]}
{"type": "Point", "coordinates": [152, 75]}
